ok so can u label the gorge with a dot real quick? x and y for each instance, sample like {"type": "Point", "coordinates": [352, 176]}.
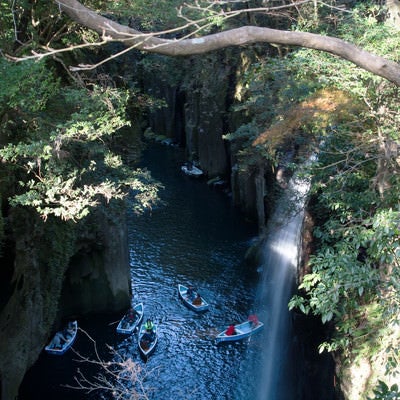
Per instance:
{"type": "Point", "coordinates": [72, 138]}
{"type": "Point", "coordinates": [198, 237]}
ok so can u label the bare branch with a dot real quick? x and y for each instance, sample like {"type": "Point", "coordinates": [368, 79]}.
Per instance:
{"type": "Point", "coordinates": [121, 377]}
{"type": "Point", "coordinates": [380, 66]}
{"type": "Point", "coordinates": [189, 45]}
{"type": "Point", "coordinates": [82, 67]}
{"type": "Point", "coordinates": [15, 22]}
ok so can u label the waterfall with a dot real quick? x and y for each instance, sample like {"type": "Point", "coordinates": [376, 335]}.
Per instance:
{"type": "Point", "coordinates": [280, 260]}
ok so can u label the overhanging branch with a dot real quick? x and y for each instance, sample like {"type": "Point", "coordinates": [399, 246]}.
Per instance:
{"type": "Point", "coordinates": [246, 35]}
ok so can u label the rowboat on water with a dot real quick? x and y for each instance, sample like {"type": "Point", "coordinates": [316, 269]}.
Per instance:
{"type": "Point", "coordinates": [191, 170]}
{"type": "Point", "coordinates": [240, 331]}
{"type": "Point", "coordinates": [131, 320]}
{"type": "Point", "coordinates": [63, 339]}
{"type": "Point", "coordinates": [147, 339]}
{"type": "Point", "coordinates": [192, 298]}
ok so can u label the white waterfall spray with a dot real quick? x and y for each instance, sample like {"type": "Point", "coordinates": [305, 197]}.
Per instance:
{"type": "Point", "coordinates": [281, 255]}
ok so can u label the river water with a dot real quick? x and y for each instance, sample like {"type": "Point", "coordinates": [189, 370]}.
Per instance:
{"type": "Point", "coordinates": [197, 237]}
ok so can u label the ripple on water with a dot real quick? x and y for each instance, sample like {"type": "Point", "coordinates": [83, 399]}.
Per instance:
{"type": "Point", "coordinates": [197, 238]}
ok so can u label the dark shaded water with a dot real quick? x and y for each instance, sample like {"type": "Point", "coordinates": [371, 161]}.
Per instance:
{"type": "Point", "coordinates": [198, 238]}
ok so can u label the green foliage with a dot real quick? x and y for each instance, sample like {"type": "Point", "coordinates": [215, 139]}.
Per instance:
{"type": "Point", "coordinates": [383, 392]}
{"type": "Point", "coordinates": [262, 100]}
{"type": "Point", "coordinates": [27, 25]}
{"type": "Point", "coordinates": [354, 283]}
{"type": "Point", "coordinates": [26, 86]}
{"type": "Point", "coordinates": [6, 31]}
{"type": "Point", "coordinates": [367, 29]}
{"type": "Point", "coordinates": [66, 166]}
{"type": "Point", "coordinates": [146, 15]}
{"type": "Point", "coordinates": [364, 28]}
{"type": "Point", "coordinates": [358, 239]}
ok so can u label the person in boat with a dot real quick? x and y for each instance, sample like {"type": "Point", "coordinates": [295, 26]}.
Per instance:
{"type": "Point", "coordinates": [59, 340]}
{"type": "Point", "coordinates": [231, 330]}
{"type": "Point", "coordinates": [129, 318]}
{"type": "Point", "coordinates": [254, 320]}
{"type": "Point", "coordinates": [149, 326]}
{"type": "Point", "coordinates": [148, 336]}
{"type": "Point", "coordinates": [197, 301]}
{"type": "Point", "coordinates": [69, 331]}
{"type": "Point", "coordinates": [190, 293]}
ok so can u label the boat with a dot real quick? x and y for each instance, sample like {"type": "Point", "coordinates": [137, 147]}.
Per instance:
{"type": "Point", "coordinates": [63, 340]}
{"type": "Point", "coordinates": [129, 323]}
{"type": "Point", "coordinates": [147, 341]}
{"type": "Point", "coordinates": [191, 170]}
{"type": "Point", "coordinates": [188, 300]}
{"type": "Point", "coordinates": [242, 331]}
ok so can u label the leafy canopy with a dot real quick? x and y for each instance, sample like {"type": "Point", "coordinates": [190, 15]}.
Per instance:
{"type": "Point", "coordinates": [60, 144]}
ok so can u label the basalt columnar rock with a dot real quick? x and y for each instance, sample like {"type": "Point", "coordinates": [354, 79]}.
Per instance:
{"type": "Point", "coordinates": [198, 93]}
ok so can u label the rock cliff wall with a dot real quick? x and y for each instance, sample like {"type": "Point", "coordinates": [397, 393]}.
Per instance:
{"type": "Point", "coordinates": [198, 93]}
{"type": "Point", "coordinates": [56, 273]}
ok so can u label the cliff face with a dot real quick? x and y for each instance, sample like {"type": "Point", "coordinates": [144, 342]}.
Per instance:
{"type": "Point", "coordinates": [55, 277]}
{"type": "Point", "coordinates": [207, 101]}
{"type": "Point", "coordinates": [98, 277]}
{"type": "Point", "coordinates": [22, 327]}
{"type": "Point", "coordinates": [198, 93]}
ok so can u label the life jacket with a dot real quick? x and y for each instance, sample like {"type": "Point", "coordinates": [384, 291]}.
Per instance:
{"type": "Point", "coordinates": [230, 331]}
{"type": "Point", "coordinates": [149, 325]}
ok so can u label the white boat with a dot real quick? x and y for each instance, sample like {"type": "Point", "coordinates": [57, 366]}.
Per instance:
{"type": "Point", "coordinates": [147, 340]}
{"type": "Point", "coordinates": [129, 322]}
{"type": "Point", "coordinates": [63, 340]}
{"type": "Point", "coordinates": [188, 299]}
{"type": "Point", "coordinates": [242, 331]}
{"type": "Point", "coordinates": [191, 170]}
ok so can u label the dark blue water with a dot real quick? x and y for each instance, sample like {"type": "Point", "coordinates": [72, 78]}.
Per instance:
{"type": "Point", "coordinates": [197, 237]}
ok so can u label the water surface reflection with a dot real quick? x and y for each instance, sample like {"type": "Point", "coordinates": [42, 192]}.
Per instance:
{"type": "Point", "coordinates": [196, 238]}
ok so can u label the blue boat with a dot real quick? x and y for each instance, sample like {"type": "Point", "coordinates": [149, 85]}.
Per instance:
{"type": "Point", "coordinates": [192, 170]}
{"type": "Point", "coordinates": [147, 340]}
{"type": "Point", "coordinates": [63, 340]}
{"type": "Point", "coordinates": [242, 331]}
{"type": "Point", "coordinates": [190, 301]}
{"type": "Point", "coordinates": [127, 325]}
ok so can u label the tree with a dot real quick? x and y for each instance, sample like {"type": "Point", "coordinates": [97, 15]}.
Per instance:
{"type": "Point", "coordinates": [60, 157]}
{"type": "Point", "coordinates": [111, 30]}
{"type": "Point", "coordinates": [354, 281]}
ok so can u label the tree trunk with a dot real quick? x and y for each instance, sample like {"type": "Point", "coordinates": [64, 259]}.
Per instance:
{"type": "Point", "coordinates": [245, 35]}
